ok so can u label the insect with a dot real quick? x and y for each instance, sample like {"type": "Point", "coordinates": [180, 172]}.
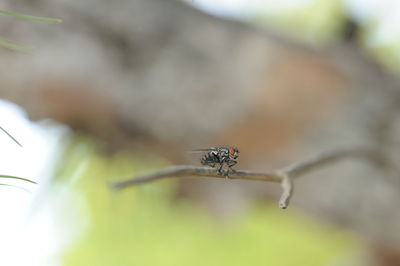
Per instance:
{"type": "Point", "coordinates": [218, 156]}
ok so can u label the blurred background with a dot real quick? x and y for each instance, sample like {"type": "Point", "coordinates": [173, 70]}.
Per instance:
{"type": "Point", "coordinates": [122, 88]}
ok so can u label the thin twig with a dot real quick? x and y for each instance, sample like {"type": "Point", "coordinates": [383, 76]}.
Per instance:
{"type": "Point", "coordinates": [284, 176]}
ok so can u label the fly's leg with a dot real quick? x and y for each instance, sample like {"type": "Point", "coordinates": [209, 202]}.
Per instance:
{"type": "Point", "coordinates": [211, 164]}
{"type": "Point", "coordinates": [220, 168]}
{"type": "Point", "coordinates": [231, 163]}
{"type": "Point", "coordinates": [222, 171]}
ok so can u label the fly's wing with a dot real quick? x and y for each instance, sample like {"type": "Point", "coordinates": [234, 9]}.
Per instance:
{"type": "Point", "coordinates": [194, 156]}
{"type": "Point", "coordinates": [197, 154]}
{"type": "Point", "coordinates": [201, 150]}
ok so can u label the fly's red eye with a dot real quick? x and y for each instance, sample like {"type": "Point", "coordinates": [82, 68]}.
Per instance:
{"type": "Point", "coordinates": [232, 151]}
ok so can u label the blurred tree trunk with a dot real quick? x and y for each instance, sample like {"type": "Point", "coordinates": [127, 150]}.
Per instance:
{"type": "Point", "coordinates": [160, 70]}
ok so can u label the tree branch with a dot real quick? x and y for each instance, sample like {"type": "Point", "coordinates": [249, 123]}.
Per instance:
{"type": "Point", "coordinates": [284, 176]}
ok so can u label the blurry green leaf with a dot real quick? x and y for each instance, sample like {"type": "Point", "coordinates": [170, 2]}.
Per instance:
{"type": "Point", "coordinates": [32, 18]}
{"type": "Point", "coordinates": [18, 178]}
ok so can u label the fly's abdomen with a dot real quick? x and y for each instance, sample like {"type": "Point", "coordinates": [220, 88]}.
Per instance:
{"type": "Point", "coordinates": [209, 159]}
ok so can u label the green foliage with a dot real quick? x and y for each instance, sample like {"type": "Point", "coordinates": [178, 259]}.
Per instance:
{"type": "Point", "coordinates": [14, 177]}
{"type": "Point", "coordinates": [14, 186]}
{"type": "Point", "coordinates": [145, 225]}
{"type": "Point", "coordinates": [32, 18]}
{"type": "Point", "coordinates": [8, 134]}
{"type": "Point", "coordinates": [18, 178]}
{"type": "Point", "coordinates": [15, 46]}
{"type": "Point", "coordinates": [19, 47]}
{"type": "Point", "coordinates": [387, 54]}
{"type": "Point", "coordinates": [315, 23]}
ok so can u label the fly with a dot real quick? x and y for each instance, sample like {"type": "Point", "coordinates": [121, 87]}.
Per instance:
{"type": "Point", "coordinates": [218, 156]}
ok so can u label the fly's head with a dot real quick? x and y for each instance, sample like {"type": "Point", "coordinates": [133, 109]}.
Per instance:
{"type": "Point", "coordinates": [233, 153]}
